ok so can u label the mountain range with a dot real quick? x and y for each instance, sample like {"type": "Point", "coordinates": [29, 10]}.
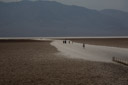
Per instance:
{"type": "Point", "coordinates": [50, 19]}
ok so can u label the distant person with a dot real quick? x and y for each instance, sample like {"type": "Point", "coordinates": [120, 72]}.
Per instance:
{"type": "Point", "coordinates": [65, 41]}
{"type": "Point", "coordinates": [83, 45]}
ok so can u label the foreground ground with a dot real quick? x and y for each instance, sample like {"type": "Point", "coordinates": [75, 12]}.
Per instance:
{"type": "Point", "coordinates": [35, 63]}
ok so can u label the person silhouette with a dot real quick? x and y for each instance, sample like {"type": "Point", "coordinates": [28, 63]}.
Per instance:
{"type": "Point", "coordinates": [83, 45]}
{"type": "Point", "coordinates": [65, 41]}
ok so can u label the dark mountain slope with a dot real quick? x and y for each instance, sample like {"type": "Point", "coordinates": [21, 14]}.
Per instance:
{"type": "Point", "coordinates": [46, 18]}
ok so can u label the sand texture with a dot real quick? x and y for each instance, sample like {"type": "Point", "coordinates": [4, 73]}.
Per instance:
{"type": "Point", "coordinates": [36, 63]}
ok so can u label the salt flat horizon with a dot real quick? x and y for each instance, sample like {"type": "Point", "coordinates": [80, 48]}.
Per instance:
{"type": "Point", "coordinates": [43, 38]}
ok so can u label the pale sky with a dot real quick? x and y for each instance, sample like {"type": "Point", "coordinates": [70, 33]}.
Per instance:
{"type": "Point", "coordinates": [93, 4]}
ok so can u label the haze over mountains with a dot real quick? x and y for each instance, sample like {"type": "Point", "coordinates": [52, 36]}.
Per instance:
{"type": "Point", "coordinates": [48, 18]}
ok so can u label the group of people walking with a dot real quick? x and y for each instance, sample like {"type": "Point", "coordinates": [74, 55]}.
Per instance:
{"type": "Point", "coordinates": [65, 41]}
{"type": "Point", "coordinates": [68, 41]}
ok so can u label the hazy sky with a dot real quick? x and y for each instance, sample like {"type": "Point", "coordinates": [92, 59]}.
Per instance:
{"type": "Point", "coordinates": [94, 4]}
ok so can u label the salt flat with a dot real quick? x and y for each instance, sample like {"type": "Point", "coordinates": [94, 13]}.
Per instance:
{"type": "Point", "coordinates": [90, 52]}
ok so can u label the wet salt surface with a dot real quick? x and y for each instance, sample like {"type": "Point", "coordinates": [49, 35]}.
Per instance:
{"type": "Point", "coordinates": [90, 52]}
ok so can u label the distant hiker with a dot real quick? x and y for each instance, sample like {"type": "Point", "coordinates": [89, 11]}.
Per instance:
{"type": "Point", "coordinates": [65, 41]}
{"type": "Point", "coordinates": [83, 45]}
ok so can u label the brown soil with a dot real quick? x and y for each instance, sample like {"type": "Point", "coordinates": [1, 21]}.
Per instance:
{"type": "Point", "coordinates": [35, 63]}
{"type": "Point", "coordinates": [114, 42]}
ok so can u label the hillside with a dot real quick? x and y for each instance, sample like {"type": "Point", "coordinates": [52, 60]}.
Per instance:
{"type": "Point", "coordinates": [49, 18]}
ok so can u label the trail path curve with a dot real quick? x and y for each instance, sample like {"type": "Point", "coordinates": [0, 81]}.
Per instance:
{"type": "Point", "coordinates": [90, 52]}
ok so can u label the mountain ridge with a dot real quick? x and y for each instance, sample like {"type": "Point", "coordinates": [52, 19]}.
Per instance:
{"type": "Point", "coordinates": [50, 18]}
